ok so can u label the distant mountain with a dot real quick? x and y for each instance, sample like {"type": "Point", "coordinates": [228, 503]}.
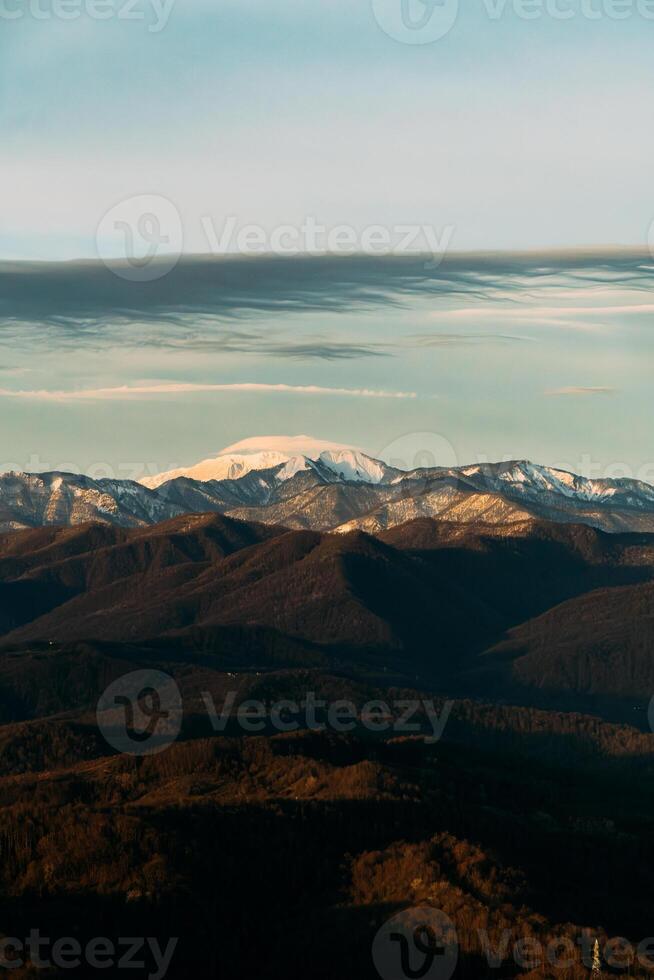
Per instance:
{"type": "Point", "coordinates": [228, 467]}
{"type": "Point", "coordinates": [345, 464]}
{"type": "Point", "coordinates": [36, 500]}
{"type": "Point", "coordinates": [501, 492]}
{"type": "Point", "coordinates": [527, 481]}
{"type": "Point", "coordinates": [339, 489]}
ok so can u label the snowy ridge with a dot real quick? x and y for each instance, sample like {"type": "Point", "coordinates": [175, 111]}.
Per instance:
{"type": "Point", "coordinates": [231, 466]}
{"type": "Point", "coordinates": [37, 500]}
{"type": "Point", "coordinates": [338, 488]}
{"type": "Point", "coordinates": [355, 467]}
{"type": "Point", "coordinates": [343, 462]}
{"type": "Point", "coordinates": [529, 479]}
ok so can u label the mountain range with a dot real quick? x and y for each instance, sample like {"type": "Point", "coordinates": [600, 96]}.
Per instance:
{"type": "Point", "coordinates": [484, 593]}
{"type": "Point", "coordinates": [517, 609]}
{"type": "Point", "coordinates": [337, 489]}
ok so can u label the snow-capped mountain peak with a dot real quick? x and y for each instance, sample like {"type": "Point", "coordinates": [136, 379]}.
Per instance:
{"type": "Point", "coordinates": [530, 478]}
{"type": "Point", "coordinates": [336, 488]}
{"type": "Point", "coordinates": [524, 481]}
{"type": "Point", "coordinates": [344, 462]}
{"type": "Point", "coordinates": [354, 466]}
{"type": "Point", "coordinates": [229, 466]}
{"type": "Point", "coordinates": [294, 465]}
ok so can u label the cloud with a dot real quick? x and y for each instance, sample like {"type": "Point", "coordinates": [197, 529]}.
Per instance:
{"type": "Point", "coordinates": [324, 350]}
{"type": "Point", "coordinates": [212, 337]}
{"type": "Point", "coordinates": [292, 445]}
{"type": "Point", "coordinates": [182, 388]}
{"type": "Point", "coordinates": [569, 317]}
{"type": "Point", "coordinates": [537, 312]}
{"type": "Point", "coordinates": [463, 339]}
{"type": "Point", "coordinates": [582, 390]}
{"type": "Point", "coordinates": [205, 301]}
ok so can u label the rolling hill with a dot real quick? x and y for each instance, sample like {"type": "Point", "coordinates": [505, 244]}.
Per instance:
{"type": "Point", "coordinates": [526, 606]}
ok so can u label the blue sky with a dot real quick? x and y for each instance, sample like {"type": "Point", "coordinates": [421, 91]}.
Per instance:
{"type": "Point", "coordinates": [518, 133]}
{"type": "Point", "coordinates": [511, 133]}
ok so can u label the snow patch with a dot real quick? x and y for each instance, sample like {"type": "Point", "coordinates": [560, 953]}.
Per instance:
{"type": "Point", "coordinates": [265, 453]}
{"type": "Point", "coordinates": [354, 466]}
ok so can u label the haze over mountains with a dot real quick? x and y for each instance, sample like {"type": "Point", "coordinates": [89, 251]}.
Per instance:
{"type": "Point", "coordinates": [338, 488]}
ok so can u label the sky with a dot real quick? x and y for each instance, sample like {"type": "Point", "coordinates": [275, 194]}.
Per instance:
{"type": "Point", "coordinates": [173, 129]}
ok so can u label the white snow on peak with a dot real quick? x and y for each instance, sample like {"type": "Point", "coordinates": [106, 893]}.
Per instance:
{"type": "Point", "coordinates": [290, 455]}
{"type": "Point", "coordinates": [294, 453]}
{"type": "Point", "coordinates": [354, 466]}
{"type": "Point", "coordinates": [294, 465]}
{"type": "Point", "coordinates": [231, 466]}
{"type": "Point", "coordinates": [533, 478]}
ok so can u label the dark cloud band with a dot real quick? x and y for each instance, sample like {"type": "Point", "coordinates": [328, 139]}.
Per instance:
{"type": "Point", "coordinates": [198, 301]}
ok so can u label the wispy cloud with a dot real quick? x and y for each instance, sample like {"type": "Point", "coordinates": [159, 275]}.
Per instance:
{"type": "Point", "coordinates": [582, 318]}
{"type": "Point", "coordinates": [463, 339]}
{"type": "Point", "coordinates": [582, 390]}
{"type": "Point", "coordinates": [182, 388]}
{"type": "Point", "coordinates": [536, 312]}
{"type": "Point", "coordinates": [207, 336]}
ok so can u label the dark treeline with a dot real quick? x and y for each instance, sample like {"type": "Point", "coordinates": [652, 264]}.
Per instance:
{"type": "Point", "coordinates": [304, 845]}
